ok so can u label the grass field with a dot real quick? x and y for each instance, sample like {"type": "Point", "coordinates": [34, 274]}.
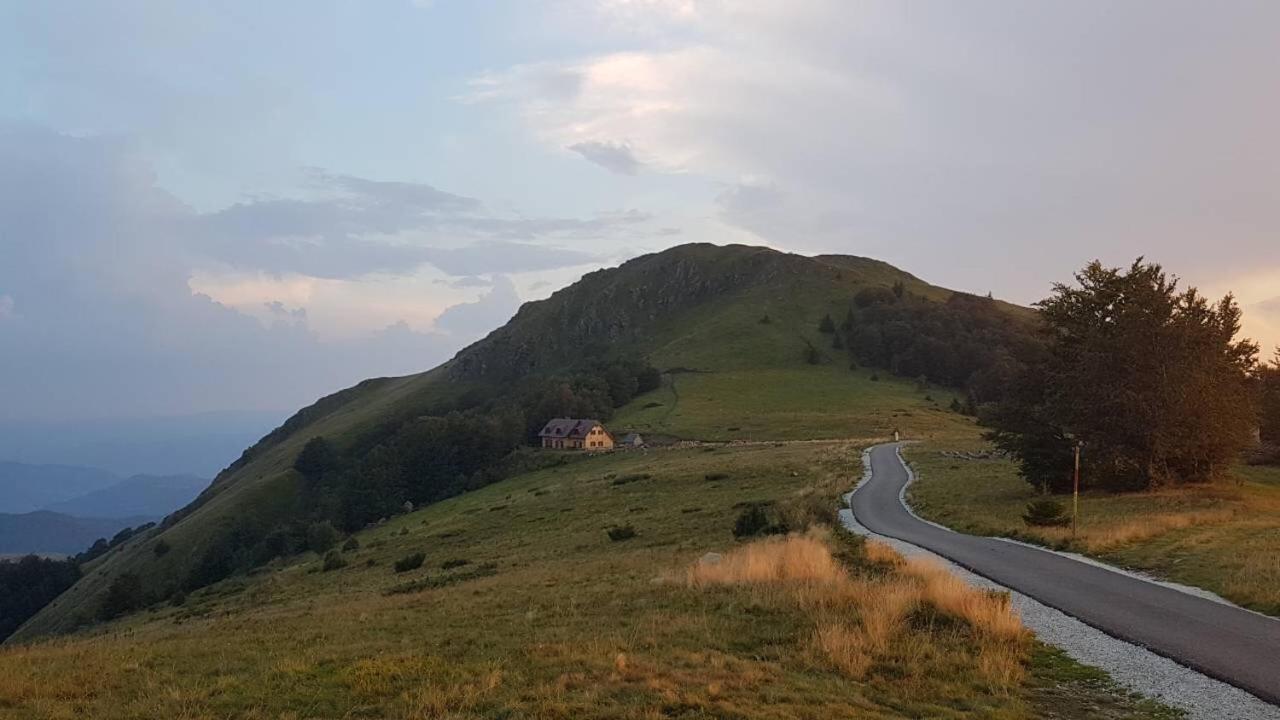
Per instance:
{"type": "Point", "coordinates": [797, 403]}
{"type": "Point", "coordinates": [524, 607]}
{"type": "Point", "coordinates": [1224, 538]}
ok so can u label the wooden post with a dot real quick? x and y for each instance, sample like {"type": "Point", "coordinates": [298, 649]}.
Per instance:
{"type": "Point", "coordinates": [1075, 495]}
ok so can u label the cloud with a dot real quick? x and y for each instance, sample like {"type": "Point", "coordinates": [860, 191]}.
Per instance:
{"type": "Point", "coordinates": [505, 257]}
{"type": "Point", "coordinates": [358, 227]}
{"type": "Point", "coordinates": [469, 281]}
{"type": "Point", "coordinates": [947, 142]}
{"type": "Point", "coordinates": [491, 310]}
{"type": "Point", "coordinates": [614, 157]}
{"type": "Point", "coordinates": [105, 260]}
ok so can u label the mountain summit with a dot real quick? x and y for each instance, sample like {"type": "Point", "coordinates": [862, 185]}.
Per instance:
{"type": "Point", "coordinates": [594, 348]}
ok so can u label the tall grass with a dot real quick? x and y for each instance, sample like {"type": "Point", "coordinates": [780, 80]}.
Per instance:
{"type": "Point", "coordinates": [862, 621]}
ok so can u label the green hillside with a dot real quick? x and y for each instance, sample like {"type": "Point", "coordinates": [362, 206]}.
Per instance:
{"type": "Point", "coordinates": [563, 585]}
{"type": "Point", "coordinates": [695, 311]}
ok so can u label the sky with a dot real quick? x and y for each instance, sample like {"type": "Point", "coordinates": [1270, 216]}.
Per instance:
{"type": "Point", "coordinates": [242, 206]}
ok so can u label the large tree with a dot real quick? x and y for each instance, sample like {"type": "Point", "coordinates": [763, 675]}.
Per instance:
{"type": "Point", "coordinates": [1149, 377]}
{"type": "Point", "coordinates": [1269, 426]}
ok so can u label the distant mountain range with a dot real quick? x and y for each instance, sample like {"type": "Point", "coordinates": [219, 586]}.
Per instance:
{"type": "Point", "coordinates": [181, 445]}
{"type": "Point", "coordinates": [90, 492]}
{"type": "Point", "coordinates": [24, 488]}
{"type": "Point", "coordinates": [50, 533]}
{"type": "Point", "coordinates": [62, 509]}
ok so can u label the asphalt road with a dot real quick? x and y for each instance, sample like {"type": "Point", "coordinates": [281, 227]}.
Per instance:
{"type": "Point", "coordinates": [1233, 645]}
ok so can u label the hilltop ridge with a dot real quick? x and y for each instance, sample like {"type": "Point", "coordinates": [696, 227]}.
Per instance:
{"type": "Point", "coordinates": [700, 306]}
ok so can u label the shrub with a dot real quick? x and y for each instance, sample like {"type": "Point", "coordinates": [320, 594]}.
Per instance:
{"type": "Point", "coordinates": [454, 563]}
{"type": "Point", "coordinates": [1046, 512]}
{"type": "Point", "coordinates": [716, 476]}
{"type": "Point", "coordinates": [351, 545]}
{"type": "Point", "coordinates": [178, 599]}
{"type": "Point", "coordinates": [753, 521]}
{"type": "Point", "coordinates": [321, 536]}
{"type": "Point", "coordinates": [410, 562]}
{"type": "Point", "coordinates": [812, 354]}
{"type": "Point", "coordinates": [618, 533]}
{"type": "Point", "coordinates": [764, 319]}
{"type": "Point", "coordinates": [161, 548]}
{"type": "Point", "coordinates": [875, 377]}
{"type": "Point", "coordinates": [316, 458]}
{"type": "Point", "coordinates": [124, 595]}
{"type": "Point", "coordinates": [827, 325]}
{"type": "Point", "coordinates": [333, 560]}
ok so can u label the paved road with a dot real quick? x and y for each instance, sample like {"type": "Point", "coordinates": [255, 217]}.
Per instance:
{"type": "Point", "coordinates": [1233, 645]}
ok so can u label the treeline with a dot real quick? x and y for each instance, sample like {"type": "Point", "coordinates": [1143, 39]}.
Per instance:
{"type": "Point", "coordinates": [1269, 400]}
{"type": "Point", "coordinates": [1148, 378]}
{"type": "Point", "coordinates": [448, 447]}
{"type": "Point", "coordinates": [28, 584]}
{"type": "Point", "coordinates": [967, 342]}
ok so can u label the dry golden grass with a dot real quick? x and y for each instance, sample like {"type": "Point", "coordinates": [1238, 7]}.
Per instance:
{"type": "Point", "coordinates": [860, 621]}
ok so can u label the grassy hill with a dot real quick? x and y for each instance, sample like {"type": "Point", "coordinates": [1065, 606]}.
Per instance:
{"type": "Point", "coordinates": [696, 307]}
{"type": "Point", "coordinates": [583, 586]}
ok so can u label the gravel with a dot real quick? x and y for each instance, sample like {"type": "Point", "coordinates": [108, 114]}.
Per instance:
{"type": "Point", "coordinates": [1133, 667]}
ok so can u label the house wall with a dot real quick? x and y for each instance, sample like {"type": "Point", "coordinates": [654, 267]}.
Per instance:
{"type": "Point", "coordinates": [599, 439]}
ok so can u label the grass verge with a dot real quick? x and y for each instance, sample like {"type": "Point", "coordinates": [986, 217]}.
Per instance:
{"type": "Point", "coordinates": [1223, 537]}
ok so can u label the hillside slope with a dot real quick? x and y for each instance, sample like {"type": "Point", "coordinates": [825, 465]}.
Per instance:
{"type": "Point", "coordinates": [696, 308]}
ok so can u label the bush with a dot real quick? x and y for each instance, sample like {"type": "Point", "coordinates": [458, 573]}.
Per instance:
{"type": "Point", "coordinates": [351, 545]}
{"type": "Point", "coordinates": [753, 521]}
{"type": "Point", "coordinates": [812, 354]}
{"type": "Point", "coordinates": [717, 476]}
{"type": "Point", "coordinates": [321, 537]}
{"type": "Point", "coordinates": [333, 560]}
{"type": "Point", "coordinates": [124, 595]}
{"type": "Point", "coordinates": [410, 562]}
{"type": "Point", "coordinates": [161, 548]}
{"type": "Point", "coordinates": [1046, 512]}
{"type": "Point", "coordinates": [454, 563]}
{"type": "Point", "coordinates": [316, 458]}
{"type": "Point", "coordinates": [618, 533]}
{"type": "Point", "coordinates": [178, 598]}
{"type": "Point", "coordinates": [827, 325]}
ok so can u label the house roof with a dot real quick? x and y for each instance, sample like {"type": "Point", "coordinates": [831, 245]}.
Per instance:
{"type": "Point", "coordinates": [567, 427]}
{"type": "Point", "coordinates": [632, 438]}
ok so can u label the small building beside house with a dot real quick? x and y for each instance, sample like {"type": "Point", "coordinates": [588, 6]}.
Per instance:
{"type": "Point", "coordinates": [575, 434]}
{"type": "Point", "coordinates": [631, 440]}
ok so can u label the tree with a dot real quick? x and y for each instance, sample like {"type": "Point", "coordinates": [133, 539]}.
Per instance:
{"type": "Point", "coordinates": [321, 536]}
{"type": "Point", "coordinates": [899, 289]}
{"type": "Point", "coordinates": [1149, 377]}
{"type": "Point", "coordinates": [124, 595]}
{"type": "Point", "coordinates": [317, 458]}
{"type": "Point", "coordinates": [837, 343]}
{"type": "Point", "coordinates": [849, 320]}
{"type": "Point", "coordinates": [29, 584]}
{"type": "Point", "coordinates": [1269, 425]}
{"type": "Point", "coordinates": [827, 325]}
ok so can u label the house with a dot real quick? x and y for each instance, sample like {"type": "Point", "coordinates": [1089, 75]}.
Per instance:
{"type": "Point", "coordinates": [575, 434]}
{"type": "Point", "coordinates": [631, 440]}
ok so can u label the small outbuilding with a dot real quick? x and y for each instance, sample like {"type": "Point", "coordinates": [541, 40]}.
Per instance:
{"type": "Point", "coordinates": [575, 434]}
{"type": "Point", "coordinates": [631, 440]}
